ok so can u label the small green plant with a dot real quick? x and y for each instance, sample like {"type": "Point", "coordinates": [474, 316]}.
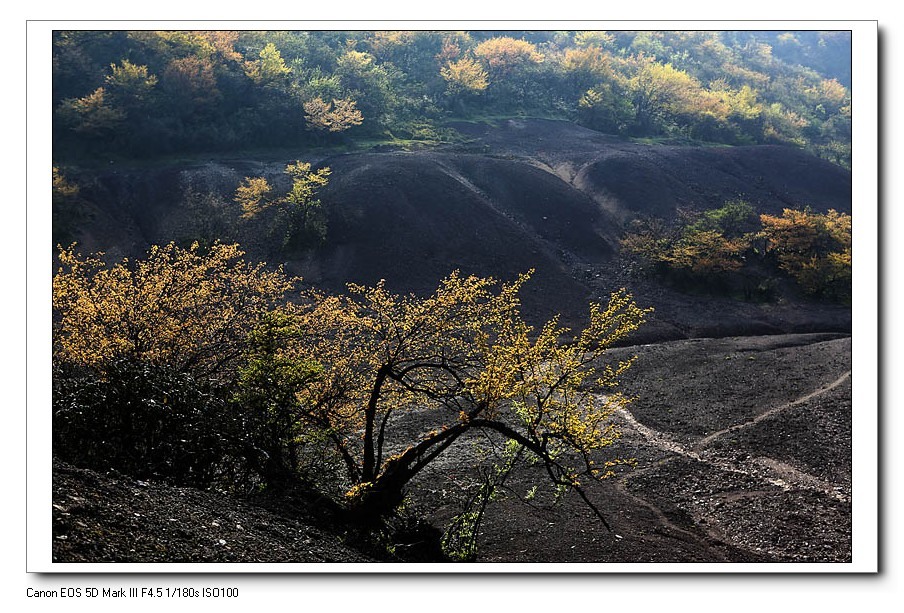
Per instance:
{"type": "Point", "coordinates": [459, 542]}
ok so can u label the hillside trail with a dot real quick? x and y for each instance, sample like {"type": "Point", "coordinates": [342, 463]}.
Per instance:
{"type": "Point", "coordinates": [772, 471]}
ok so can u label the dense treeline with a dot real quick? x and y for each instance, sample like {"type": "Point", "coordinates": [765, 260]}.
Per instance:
{"type": "Point", "coordinates": [733, 249]}
{"type": "Point", "coordinates": [147, 93]}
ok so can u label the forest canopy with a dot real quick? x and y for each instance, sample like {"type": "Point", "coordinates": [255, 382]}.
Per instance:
{"type": "Point", "coordinates": [150, 93]}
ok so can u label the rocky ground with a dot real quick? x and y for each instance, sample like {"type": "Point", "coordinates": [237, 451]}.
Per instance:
{"type": "Point", "coordinates": [116, 518]}
{"type": "Point", "coordinates": [743, 449]}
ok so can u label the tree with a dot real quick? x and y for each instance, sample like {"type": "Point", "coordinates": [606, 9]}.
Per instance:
{"type": "Point", "coordinates": [269, 68]}
{"type": "Point", "coordinates": [734, 219]}
{"type": "Point", "coordinates": [187, 309]}
{"type": "Point", "coordinates": [146, 355]}
{"type": "Point", "coordinates": [702, 244]}
{"type": "Point", "coordinates": [665, 96]}
{"type": "Point", "coordinates": [62, 189]}
{"type": "Point", "coordinates": [734, 244]}
{"type": "Point", "coordinates": [605, 108]}
{"type": "Point", "coordinates": [464, 76]}
{"type": "Point", "coordinates": [463, 359]}
{"type": "Point", "coordinates": [130, 82]}
{"type": "Point", "coordinates": [190, 82]}
{"type": "Point", "coordinates": [504, 55]}
{"type": "Point", "coordinates": [91, 115]}
{"type": "Point", "coordinates": [706, 253]}
{"type": "Point", "coordinates": [338, 116]}
{"type": "Point", "coordinates": [814, 248]}
{"type": "Point", "coordinates": [371, 85]}
{"type": "Point", "coordinates": [300, 213]}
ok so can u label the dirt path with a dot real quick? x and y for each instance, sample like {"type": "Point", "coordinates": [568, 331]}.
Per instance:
{"type": "Point", "coordinates": [774, 472]}
{"type": "Point", "coordinates": [707, 440]}
{"type": "Point", "coordinates": [782, 475]}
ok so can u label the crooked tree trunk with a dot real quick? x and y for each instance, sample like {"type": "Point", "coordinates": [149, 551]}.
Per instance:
{"type": "Point", "coordinates": [371, 500]}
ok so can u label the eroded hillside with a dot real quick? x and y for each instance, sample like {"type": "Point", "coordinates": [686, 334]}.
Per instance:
{"type": "Point", "coordinates": [520, 195]}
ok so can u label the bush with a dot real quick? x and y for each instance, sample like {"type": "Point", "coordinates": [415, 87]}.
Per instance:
{"type": "Point", "coordinates": [145, 420]}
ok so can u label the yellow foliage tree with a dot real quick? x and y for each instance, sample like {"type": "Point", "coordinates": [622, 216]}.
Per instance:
{"type": "Point", "coordinates": [464, 75]}
{"type": "Point", "coordinates": [815, 249]}
{"type": "Point", "coordinates": [61, 187]}
{"type": "Point", "coordinates": [505, 54]}
{"type": "Point", "coordinates": [130, 81]}
{"type": "Point", "coordinates": [663, 94]}
{"type": "Point", "coordinates": [707, 252]}
{"type": "Point", "coordinates": [92, 115]}
{"type": "Point", "coordinates": [337, 116]}
{"type": "Point", "coordinates": [301, 210]}
{"type": "Point", "coordinates": [588, 62]}
{"type": "Point", "coordinates": [188, 309]}
{"type": "Point", "coordinates": [462, 358]}
{"type": "Point", "coordinates": [270, 66]}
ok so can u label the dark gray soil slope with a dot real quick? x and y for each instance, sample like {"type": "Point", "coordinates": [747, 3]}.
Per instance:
{"type": "Point", "coordinates": [522, 195]}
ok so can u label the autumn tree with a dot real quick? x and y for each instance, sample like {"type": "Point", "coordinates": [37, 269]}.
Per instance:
{"type": "Point", "coordinates": [503, 55]}
{"type": "Point", "coordinates": [92, 115]}
{"type": "Point", "coordinates": [62, 189]}
{"type": "Point", "coordinates": [814, 248]}
{"type": "Point", "coordinates": [733, 243]}
{"type": "Point", "coordinates": [189, 309]}
{"type": "Point", "coordinates": [706, 253]}
{"type": "Point", "coordinates": [145, 354]}
{"type": "Point", "coordinates": [586, 65]}
{"type": "Point", "coordinates": [350, 368]}
{"type": "Point", "coordinates": [665, 96]}
{"type": "Point", "coordinates": [299, 213]}
{"type": "Point", "coordinates": [336, 116]}
{"type": "Point", "coordinates": [465, 79]}
{"type": "Point", "coordinates": [190, 83]}
{"type": "Point", "coordinates": [703, 244]}
{"type": "Point", "coordinates": [270, 66]}
{"type": "Point", "coordinates": [510, 63]}
{"type": "Point", "coordinates": [131, 87]}
{"type": "Point", "coordinates": [464, 76]}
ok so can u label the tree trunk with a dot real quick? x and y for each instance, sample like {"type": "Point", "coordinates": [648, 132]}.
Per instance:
{"type": "Point", "coordinates": [371, 500]}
